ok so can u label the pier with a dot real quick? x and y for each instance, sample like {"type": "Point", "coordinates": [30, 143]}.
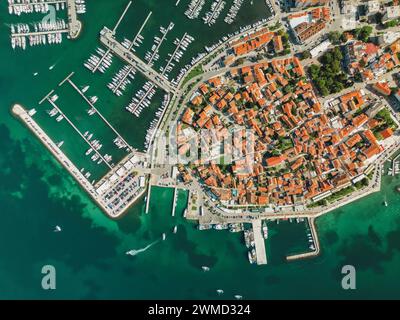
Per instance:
{"type": "Point", "coordinates": [135, 39]}
{"type": "Point", "coordinates": [108, 40]}
{"type": "Point", "coordinates": [148, 196]}
{"type": "Point", "coordinates": [310, 254]}
{"type": "Point", "coordinates": [259, 242]}
{"type": "Point", "coordinates": [121, 17]}
{"type": "Point", "coordinates": [157, 48]}
{"type": "Point", "coordinates": [100, 115]}
{"type": "Point", "coordinates": [174, 201]}
{"type": "Point", "coordinates": [74, 24]}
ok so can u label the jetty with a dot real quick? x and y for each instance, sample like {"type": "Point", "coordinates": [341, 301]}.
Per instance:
{"type": "Point", "coordinates": [259, 242]}
{"type": "Point", "coordinates": [313, 253]}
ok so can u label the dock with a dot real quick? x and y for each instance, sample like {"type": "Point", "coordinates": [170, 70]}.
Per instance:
{"type": "Point", "coordinates": [108, 40]}
{"type": "Point", "coordinates": [259, 242]}
{"type": "Point", "coordinates": [148, 196]}
{"type": "Point", "coordinates": [140, 30]}
{"type": "Point", "coordinates": [79, 132]}
{"type": "Point", "coordinates": [174, 201]}
{"type": "Point", "coordinates": [100, 115]}
{"type": "Point", "coordinates": [121, 17]}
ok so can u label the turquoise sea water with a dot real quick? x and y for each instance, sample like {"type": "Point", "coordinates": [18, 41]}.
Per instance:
{"type": "Point", "coordinates": [89, 255]}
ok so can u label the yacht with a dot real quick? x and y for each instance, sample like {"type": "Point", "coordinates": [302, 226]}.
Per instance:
{"type": "Point", "coordinates": [265, 230]}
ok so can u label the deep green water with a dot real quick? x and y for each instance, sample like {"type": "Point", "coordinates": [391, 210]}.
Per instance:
{"type": "Point", "coordinates": [89, 255]}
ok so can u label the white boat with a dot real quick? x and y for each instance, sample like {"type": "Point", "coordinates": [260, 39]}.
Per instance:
{"type": "Point", "coordinates": [238, 297]}
{"type": "Point", "coordinates": [205, 268]}
{"type": "Point", "coordinates": [265, 231]}
{"type": "Point", "coordinates": [59, 145]}
{"type": "Point", "coordinates": [130, 252]}
{"type": "Point", "coordinates": [57, 229]}
{"type": "Point", "coordinates": [220, 291]}
{"type": "Point", "coordinates": [175, 229]}
{"type": "Point", "coordinates": [164, 236]}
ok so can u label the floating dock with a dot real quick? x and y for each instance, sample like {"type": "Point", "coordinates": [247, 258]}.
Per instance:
{"type": "Point", "coordinates": [259, 242]}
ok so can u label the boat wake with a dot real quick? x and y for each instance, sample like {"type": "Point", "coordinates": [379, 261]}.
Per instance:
{"type": "Point", "coordinates": [136, 252]}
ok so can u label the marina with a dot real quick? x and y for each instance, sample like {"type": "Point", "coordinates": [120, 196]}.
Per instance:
{"type": "Point", "coordinates": [211, 16]}
{"type": "Point", "coordinates": [48, 31]}
{"type": "Point", "coordinates": [194, 9]}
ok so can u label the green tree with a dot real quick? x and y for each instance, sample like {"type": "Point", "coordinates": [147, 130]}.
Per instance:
{"type": "Point", "coordinates": [334, 37]}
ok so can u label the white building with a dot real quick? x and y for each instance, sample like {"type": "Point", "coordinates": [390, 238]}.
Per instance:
{"type": "Point", "coordinates": [323, 46]}
{"type": "Point", "coordinates": [372, 7]}
{"type": "Point", "coordinates": [389, 37]}
{"type": "Point", "coordinates": [391, 13]}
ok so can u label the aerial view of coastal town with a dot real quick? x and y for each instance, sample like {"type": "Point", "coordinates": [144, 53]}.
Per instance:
{"type": "Point", "coordinates": [200, 149]}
